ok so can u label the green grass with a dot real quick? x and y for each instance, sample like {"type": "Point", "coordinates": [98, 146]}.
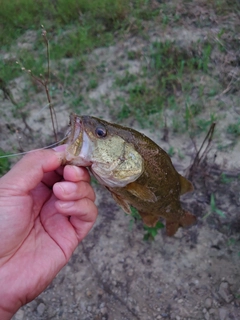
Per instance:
{"type": "Point", "coordinates": [125, 80]}
{"type": "Point", "coordinates": [151, 232]}
{"type": "Point", "coordinates": [214, 208]}
{"type": "Point", "coordinates": [90, 17]}
{"type": "Point", "coordinates": [29, 62]}
{"type": "Point", "coordinates": [225, 179]}
{"type": "Point", "coordinates": [81, 40]}
{"type": "Point", "coordinates": [234, 129]}
{"type": "Point", "coordinates": [9, 70]}
{"type": "Point", "coordinates": [171, 72]}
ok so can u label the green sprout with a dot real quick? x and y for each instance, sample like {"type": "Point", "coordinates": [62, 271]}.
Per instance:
{"type": "Point", "coordinates": [151, 232]}
{"type": "Point", "coordinates": [214, 209]}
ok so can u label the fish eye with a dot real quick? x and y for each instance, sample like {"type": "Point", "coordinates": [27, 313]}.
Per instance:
{"type": "Point", "coordinates": [101, 132]}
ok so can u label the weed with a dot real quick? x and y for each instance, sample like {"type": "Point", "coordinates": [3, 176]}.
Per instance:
{"type": "Point", "coordinates": [225, 179]}
{"type": "Point", "coordinates": [146, 13]}
{"type": "Point", "coordinates": [94, 17]}
{"type": "Point", "coordinates": [234, 128]}
{"type": "Point", "coordinates": [171, 152]}
{"type": "Point", "coordinates": [76, 103]}
{"type": "Point", "coordinates": [133, 55]}
{"type": "Point", "coordinates": [191, 111]}
{"type": "Point", "coordinates": [126, 79]}
{"type": "Point", "coordinates": [203, 124]}
{"type": "Point", "coordinates": [204, 59]}
{"type": "Point", "coordinates": [77, 65]}
{"type": "Point", "coordinates": [176, 125]}
{"type": "Point", "coordinates": [151, 232]}
{"type": "Point", "coordinates": [144, 101]}
{"type": "Point", "coordinates": [92, 84]}
{"type": "Point", "coordinates": [168, 75]}
{"type": "Point", "coordinates": [124, 113]}
{"type": "Point", "coordinates": [80, 40]}
{"type": "Point", "coordinates": [4, 163]}
{"type": "Point", "coordinates": [36, 65]}
{"type": "Point", "coordinates": [134, 216]}
{"type": "Point", "coordinates": [9, 70]}
{"type": "Point", "coordinates": [231, 242]}
{"type": "Point", "coordinates": [180, 155]}
{"type": "Point", "coordinates": [214, 209]}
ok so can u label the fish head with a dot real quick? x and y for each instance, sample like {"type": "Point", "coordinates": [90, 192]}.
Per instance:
{"type": "Point", "coordinates": [95, 143]}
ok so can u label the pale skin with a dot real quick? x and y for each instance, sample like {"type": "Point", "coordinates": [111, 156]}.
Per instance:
{"type": "Point", "coordinates": [45, 211]}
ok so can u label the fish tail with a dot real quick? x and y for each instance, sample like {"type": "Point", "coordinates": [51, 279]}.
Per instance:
{"type": "Point", "coordinates": [185, 221]}
{"type": "Point", "coordinates": [172, 227]}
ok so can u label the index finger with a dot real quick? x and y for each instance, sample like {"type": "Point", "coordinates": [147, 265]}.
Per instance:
{"type": "Point", "coordinates": [29, 171]}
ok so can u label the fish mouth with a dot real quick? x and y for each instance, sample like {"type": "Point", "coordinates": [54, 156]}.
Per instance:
{"type": "Point", "coordinates": [78, 149]}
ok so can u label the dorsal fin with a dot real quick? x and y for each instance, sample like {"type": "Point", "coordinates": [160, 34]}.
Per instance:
{"type": "Point", "coordinates": [186, 185]}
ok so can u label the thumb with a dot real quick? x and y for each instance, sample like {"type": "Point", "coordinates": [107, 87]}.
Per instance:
{"type": "Point", "coordinates": [29, 171]}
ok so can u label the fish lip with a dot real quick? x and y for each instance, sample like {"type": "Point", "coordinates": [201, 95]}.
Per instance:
{"type": "Point", "coordinates": [77, 142]}
{"type": "Point", "coordinates": [76, 128]}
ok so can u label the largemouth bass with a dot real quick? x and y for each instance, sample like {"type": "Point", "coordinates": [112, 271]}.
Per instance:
{"type": "Point", "coordinates": [132, 167]}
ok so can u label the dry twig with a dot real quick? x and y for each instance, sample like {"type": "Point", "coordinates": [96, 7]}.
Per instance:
{"type": "Point", "coordinates": [201, 153]}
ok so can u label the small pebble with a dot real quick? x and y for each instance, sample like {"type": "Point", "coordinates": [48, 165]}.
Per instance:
{"type": "Point", "coordinates": [212, 311]}
{"type": "Point", "coordinates": [224, 292]}
{"type": "Point", "coordinates": [208, 303]}
{"type": "Point", "coordinates": [130, 272]}
{"type": "Point", "coordinates": [88, 293]}
{"type": "Point", "coordinates": [103, 311]}
{"type": "Point", "coordinates": [41, 308]}
{"type": "Point", "coordinates": [222, 314]}
{"type": "Point", "coordinates": [19, 315]}
{"type": "Point", "coordinates": [207, 316]}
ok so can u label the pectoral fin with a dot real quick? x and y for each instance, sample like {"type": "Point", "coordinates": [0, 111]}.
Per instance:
{"type": "Point", "coordinates": [148, 219]}
{"type": "Point", "coordinates": [186, 185]}
{"type": "Point", "coordinates": [121, 202]}
{"type": "Point", "coordinates": [141, 192]}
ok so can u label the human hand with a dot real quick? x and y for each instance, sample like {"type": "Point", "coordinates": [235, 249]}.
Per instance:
{"type": "Point", "coordinates": [45, 211]}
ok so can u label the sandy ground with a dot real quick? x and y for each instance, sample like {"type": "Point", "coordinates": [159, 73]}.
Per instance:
{"type": "Point", "coordinates": [114, 274]}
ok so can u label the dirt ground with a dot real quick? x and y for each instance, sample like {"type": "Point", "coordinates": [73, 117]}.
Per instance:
{"type": "Point", "coordinates": [114, 274]}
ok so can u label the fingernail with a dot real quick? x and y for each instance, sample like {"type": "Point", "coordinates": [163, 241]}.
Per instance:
{"type": "Point", "coordinates": [60, 148]}
{"type": "Point", "coordinates": [65, 204]}
{"type": "Point", "coordinates": [68, 187]}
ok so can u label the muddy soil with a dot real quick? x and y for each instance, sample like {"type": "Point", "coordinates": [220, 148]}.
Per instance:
{"type": "Point", "coordinates": [114, 274]}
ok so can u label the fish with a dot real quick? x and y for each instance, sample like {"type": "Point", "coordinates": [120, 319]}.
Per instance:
{"type": "Point", "coordinates": [137, 172]}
